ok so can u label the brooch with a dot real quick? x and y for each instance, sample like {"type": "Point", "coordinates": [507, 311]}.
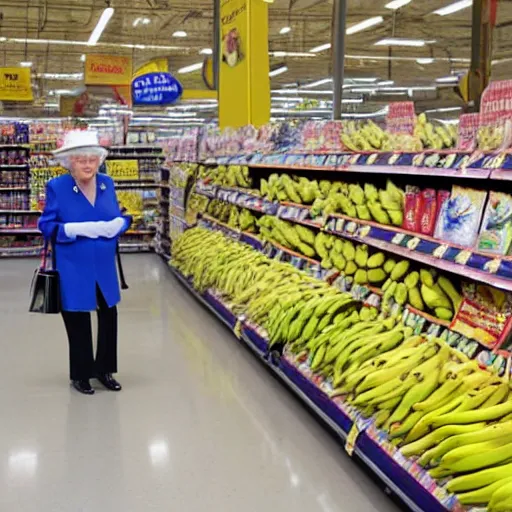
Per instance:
{"type": "Point", "coordinates": [75, 189]}
{"type": "Point", "coordinates": [103, 186]}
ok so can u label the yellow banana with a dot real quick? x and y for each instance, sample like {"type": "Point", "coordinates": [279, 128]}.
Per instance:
{"type": "Point", "coordinates": [479, 479]}
{"type": "Point", "coordinates": [489, 414]}
{"type": "Point", "coordinates": [483, 495]}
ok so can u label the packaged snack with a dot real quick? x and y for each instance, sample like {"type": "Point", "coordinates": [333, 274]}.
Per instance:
{"type": "Point", "coordinates": [496, 233]}
{"type": "Point", "coordinates": [412, 209]}
{"type": "Point", "coordinates": [460, 216]}
{"type": "Point", "coordinates": [428, 211]}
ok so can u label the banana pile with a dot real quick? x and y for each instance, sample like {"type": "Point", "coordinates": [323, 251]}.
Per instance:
{"type": "Point", "coordinates": [368, 136]}
{"type": "Point", "coordinates": [435, 137]}
{"type": "Point", "coordinates": [490, 137]}
{"type": "Point", "coordinates": [385, 206]}
{"type": "Point", "coordinates": [229, 176]}
{"type": "Point", "coordinates": [421, 290]}
{"type": "Point", "coordinates": [236, 217]}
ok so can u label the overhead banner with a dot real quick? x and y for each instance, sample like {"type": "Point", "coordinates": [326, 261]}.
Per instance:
{"type": "Point", "coordinates": [15, 84]}
{"type": "Point", "coordinates": [108, 70]}
{"type": "Point", "coordinates": [156, 89]}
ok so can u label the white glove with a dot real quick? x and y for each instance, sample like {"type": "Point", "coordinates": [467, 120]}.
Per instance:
{"type": "Point", "coordinates": [87, 229]}
{"type": "Point", "coordinates": [113, 227]}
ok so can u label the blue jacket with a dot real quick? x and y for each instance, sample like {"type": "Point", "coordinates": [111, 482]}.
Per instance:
{"type": "Point", "coordinates": [83, 262]}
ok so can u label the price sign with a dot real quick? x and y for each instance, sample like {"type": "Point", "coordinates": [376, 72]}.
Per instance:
{"type": "Point", "coordinates": [120, 170]}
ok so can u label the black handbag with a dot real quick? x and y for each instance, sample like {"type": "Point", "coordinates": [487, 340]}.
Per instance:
{"type": "Point", "coordinates": [45, 289]}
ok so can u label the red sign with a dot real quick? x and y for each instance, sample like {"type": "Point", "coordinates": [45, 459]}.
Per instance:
{"type": "Point", "coordinates": [401, 117]}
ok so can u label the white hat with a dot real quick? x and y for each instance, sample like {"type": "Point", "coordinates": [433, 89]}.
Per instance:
{"type": "Point", "coordinates": [81, 141]}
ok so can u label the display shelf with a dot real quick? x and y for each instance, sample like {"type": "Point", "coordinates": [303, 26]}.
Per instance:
{"type": "Point", "coordinates": [20, 231]}
{"type": "Point", "coordinates": [20, 252]}
{"type": "Point", "coordinates": [127, 247]}
{"type": "Point", "coordinates": [14, 166]}
{"type": "Point", "coordinates": [123, 185]}
{"type": "Point", "coordinates": [133, 156]}
{"type": "Point", "coordinates": [397, 479]}
{"type": "Point", "coordinates": [20, 212]}
{"type": "Point", "coordinates": [15, 189]}
{"type": "Point", "coordinates": [501, 175]}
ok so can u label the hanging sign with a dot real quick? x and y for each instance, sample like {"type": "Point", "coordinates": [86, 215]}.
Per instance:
{"type": "Point", "coordinates": [15, 84]}
{"type": "Point", "coordinates": [119, 170]}
{"type": "Point", "coordinates": [401, 117]}
{"type": "Point", "coordinates": [108, 70]}
{"type": "Point", "coordinates": [156, 89]}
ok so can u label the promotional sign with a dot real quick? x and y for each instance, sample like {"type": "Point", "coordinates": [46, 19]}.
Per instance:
{"type": "Point", "coordinates": [244, 92]}
{"type": "Point", "coordinates": [401, 117]}
{"type": "Point", "coordinates": [108, 70]}
{"type": "Point", "coordinates": [156, 89]}
{"type": "Point", "coordinates": [119, 170]}
{"type": "Point", "coordinates": [15, 84]}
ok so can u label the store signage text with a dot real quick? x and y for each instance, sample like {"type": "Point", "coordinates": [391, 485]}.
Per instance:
{"type": "Point", "coordinates": [156, 89]}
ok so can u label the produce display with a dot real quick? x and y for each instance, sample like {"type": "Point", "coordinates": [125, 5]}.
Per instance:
{"type": "Point", "coordinates": [434, 403]}
{"type": "Point", "coordinates": [237, 218]}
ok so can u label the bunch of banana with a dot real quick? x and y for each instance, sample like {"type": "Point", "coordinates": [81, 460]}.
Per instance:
{"type": "Point", "coordinates": [230, 176]}
{"type": "Point", "coordinates": [420, 289]}
{"type": "Point", "coordinates": [363, 136]}
{"type": "Point", "coordinates": [293, 236]}
{"type": "Point", "coordinates": [435, 137]}
{"type": "Point", "coordinates": [490, 137]}
{"type": "Point", "coordinates": [220, 210]}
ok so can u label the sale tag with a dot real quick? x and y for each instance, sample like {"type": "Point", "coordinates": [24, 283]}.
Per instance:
{"type": "Point", "coordinates": [119, 170]}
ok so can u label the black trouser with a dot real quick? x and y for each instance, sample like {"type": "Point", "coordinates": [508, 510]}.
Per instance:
{"type": "Point", "coordinates": [82, 365]}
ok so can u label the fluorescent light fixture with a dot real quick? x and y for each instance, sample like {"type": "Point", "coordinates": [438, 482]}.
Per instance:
{"type": "Point", "coordinates": [206, 51]}
{"type": "Point", "coordinates": [61, 76]}
{"type": "Point", "coordinates": [140, 46]}
{"type": "Point", "coordinates": [182, 114]}
{"type": "Point", "coordinates": [191, 68]}
{"type": "Point", "coordinates": [179, 33]}
{"type": "Point", "coordinates": [457, 6]}
{"type": "Point", "coordinates": [83, 57]}
{"type": "Point", "coordinates": [365, 80]}
{"type": "Point", "coordinates": [285, 30]}
{"type": "Point", "coordinates": [278, 71]}
{"type": "Point", "coordinates": [60, 92]}
{"type": "Point", "coordinates": [317, 83]}
{"type": "Point", "coordinates": [320, 48]}
{"type": "Point", "coordinates": [100, 27]}
{"type": "Point", "coordinates": [447, 79]}
{"type": "Point", "coordinates": [26, 64]}
{"type": "Point", "coordinates": [385, 83]}
{"type": "Point", "coordinates": [396, 4]}
{"type": "Point", "coordinates": [146, 21]}
{"type": "Point", "coordinates": [396, 41]}
{"type": "Point", "coordinates": [425, 60]}
{"type": "Point", "coordinates": [290, 54]}
{"type": "Point", "coordinates": [370, 22]}
{"type": "Point", "coordinates": [443, 109]}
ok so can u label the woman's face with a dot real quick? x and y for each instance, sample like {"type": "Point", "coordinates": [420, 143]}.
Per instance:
{"type": "Point", "coordinates": [84, 167]}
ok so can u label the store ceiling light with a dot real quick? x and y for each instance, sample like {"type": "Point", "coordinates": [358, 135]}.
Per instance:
{"type": "Point", "coordinates": [100, 27]}
{"type": "Point", "coordinates": [317, 83]}
{"type": "Point", "coordinates": [447, 79]}
{"type": "Point", "coordinates": [278, 71]}
{"type": "Point", "coordinates": [457, 6]}
{"type": "Point", "coordinates": [182, 114]}
{"type": "Point", "coordinates": [206, 51]}
{"type": "Point", "coordinates": [26, 64]}
{"type": "Point", "coordinates": [191, 68]}
{"type": "Point", "coordinates": [83, 57]}
{"type": "Point", "coordinates": [320, 48]}
{"type": "Point", "coordinates": [285, 30]}
{"type": "Point", "coordinates": [61, 76]}
{"type": "Point", "coordinates": [385, 83]}
{"type": "Point", "coordinates": [141, 21]}
{"type": "Point", "coordinates": [396, 4]}
{"type": "Point", "coordinates": [359, 27]}
{"type": "Point", "coordinates": [365, 80]}
{"type": "Point", "coordinates": [425, 60]}
{"type": "Point", "coordinates": [443, 109]}
{"type": "Point", "coordinates": [396, 41]}
{"type": "Point", "coordinates": [290, 54]}
{"type": "Point", "coordinates": [179, 33]}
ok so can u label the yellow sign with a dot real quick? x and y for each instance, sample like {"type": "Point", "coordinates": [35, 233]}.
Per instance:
{"type": "Point", "coordinates": [15, 84]}
{"type": "Point", "coordinates": [244, 86]}
{"type": "Point", "coordinates": [108, 70]}
{"type": "Point", "coordinates": [153, 66]}
{"type": "Point", "coordinates": [123, 170]}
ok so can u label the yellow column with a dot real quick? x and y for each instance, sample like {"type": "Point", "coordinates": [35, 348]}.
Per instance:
{"type": "Point", "coordinates": [244, 84]}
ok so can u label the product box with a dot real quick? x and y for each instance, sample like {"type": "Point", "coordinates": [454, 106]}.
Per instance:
{"type": "Point", "coordinates": [460, 216]}
{"type": "Point", "coordinates": [496, 233]}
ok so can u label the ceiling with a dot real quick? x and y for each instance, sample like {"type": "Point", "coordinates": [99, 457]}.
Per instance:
{"type": "Point", "coordinates": [310, 22]}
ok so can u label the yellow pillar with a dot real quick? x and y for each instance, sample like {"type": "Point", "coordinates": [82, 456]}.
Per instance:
{"type": "Point", "coordinates": [244, 84]}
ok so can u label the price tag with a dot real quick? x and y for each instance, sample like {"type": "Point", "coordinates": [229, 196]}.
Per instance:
{"type": "Point", "coordinates": [440, 251]}
{"type": "Point", "coordinates": [398, 238]}
{"type": "Point", "coordinates": [120, 170]}
{"type": "Point", "coordinates": [364, 231]}
{"type": "Point", "coordinates": [493, 266]}
{"type": "Point", "coordinates": [463, 257]}
{"type": "Point", "coordinates": [413, 243]}
{"type": "Point", "coordinates": [351, 227]}
{"type": "Point", "coordinates": [237, 330]}
{"type": "Point", "coordinates": [339, 224]}
{"type": "Point", "coordinates": [357, 427]}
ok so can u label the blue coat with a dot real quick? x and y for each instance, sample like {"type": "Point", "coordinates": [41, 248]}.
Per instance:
{"type": "Point", "coordinates": [83, 262]}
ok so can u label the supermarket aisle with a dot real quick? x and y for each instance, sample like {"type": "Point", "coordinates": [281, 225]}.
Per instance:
{"type": "Point", "coordinates": [200, 425]}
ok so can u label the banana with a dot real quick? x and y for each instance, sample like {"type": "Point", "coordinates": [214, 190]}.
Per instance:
{"type": "Point", "coordinates": [488, 414]}
{"type": "Point", "coordinates": [479, 479]}
{"type": "Point", "coordinates": [483, 495]}
{"type": "Point", "coordinates": [401, 429]}
{"type": "Point", "coordinates": [464, 451]}
{"type": "Point", "coordinates": [501, 499]}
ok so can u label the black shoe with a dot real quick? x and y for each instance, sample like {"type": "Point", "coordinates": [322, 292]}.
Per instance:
{"type": "Point", "coordinates": [83, 386]}
{"type": "Point", "coordinates": [109, 382]}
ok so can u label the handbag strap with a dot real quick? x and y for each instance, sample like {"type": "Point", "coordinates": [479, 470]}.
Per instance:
{"type": "Point", "coordinates": [124, 286]}
{"type": "Point", "coordinates": [46, 249]}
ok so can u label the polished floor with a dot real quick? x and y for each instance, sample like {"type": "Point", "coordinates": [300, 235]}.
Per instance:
{"type": "Point", "coordinates": [200, 426]}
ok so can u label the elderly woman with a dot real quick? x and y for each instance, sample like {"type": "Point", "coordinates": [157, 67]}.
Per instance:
{"type": "Point", "coordinates": [83, 218]}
